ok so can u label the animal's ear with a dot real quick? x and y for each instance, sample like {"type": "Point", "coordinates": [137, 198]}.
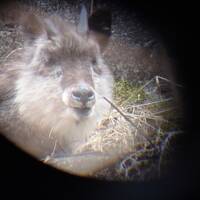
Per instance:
{"type": "Point", "coordinates": [83, 21]}
{"type": "Point", "coordinates": [32, 26]}
{"type": "Point", "coordinates": [100, 27]}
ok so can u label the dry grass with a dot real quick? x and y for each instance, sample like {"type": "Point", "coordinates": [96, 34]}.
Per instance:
{"type": "Point", "coordinates": [138, 128]}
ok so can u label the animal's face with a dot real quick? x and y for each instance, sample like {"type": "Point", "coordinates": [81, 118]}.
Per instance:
{"type": "Point", "coordinates": [63, 80]}
{"type": "Point", "coordinates": [74, 67]}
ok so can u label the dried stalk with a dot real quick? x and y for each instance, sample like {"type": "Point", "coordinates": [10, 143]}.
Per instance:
{"type": "Point", "coordinates": [126, 118]}
{"type": "Point", "coordinates": [169, 81]}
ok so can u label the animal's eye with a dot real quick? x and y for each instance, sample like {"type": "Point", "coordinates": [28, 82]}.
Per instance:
{"type": "Point", "coordinates": [50, 62]}
{"type": "Point", "coordinates": [94, 61]}
{"type": "Point", "coordinates": [58, 73]}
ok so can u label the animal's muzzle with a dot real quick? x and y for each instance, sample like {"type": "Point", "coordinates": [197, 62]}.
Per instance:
{"type": "Point", "coordinates": [82, 97]}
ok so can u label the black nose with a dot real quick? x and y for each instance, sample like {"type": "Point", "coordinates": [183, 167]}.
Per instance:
{"type": "Point", "coordinates": [83, 95]}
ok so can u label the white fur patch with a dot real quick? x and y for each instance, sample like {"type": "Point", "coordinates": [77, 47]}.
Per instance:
{"type": "Point", "coordinates": [40, 104]}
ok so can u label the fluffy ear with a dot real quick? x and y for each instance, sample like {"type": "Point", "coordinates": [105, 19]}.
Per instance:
{"type": "Point", "coordinates": [83, 21]}
{"type": "Point", "coordinates": [100, 27]}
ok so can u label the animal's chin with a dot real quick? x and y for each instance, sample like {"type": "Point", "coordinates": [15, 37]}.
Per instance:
{"type": "Point", "coordinates": [82, 112]}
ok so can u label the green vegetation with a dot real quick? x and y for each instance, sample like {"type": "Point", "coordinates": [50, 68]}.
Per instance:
{"type": "Point", "coordinates": [125, 93]}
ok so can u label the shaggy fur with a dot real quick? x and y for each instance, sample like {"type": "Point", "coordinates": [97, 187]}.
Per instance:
{"type": "Point", "coordinates": [35, 87]}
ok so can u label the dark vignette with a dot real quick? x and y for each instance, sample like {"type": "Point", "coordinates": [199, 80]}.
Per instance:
{"type": "Point", "coordinates": [23, 176]}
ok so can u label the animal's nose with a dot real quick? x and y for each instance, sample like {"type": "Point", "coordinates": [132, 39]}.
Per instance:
{"type": "Point", "coordinates": [84, 95]}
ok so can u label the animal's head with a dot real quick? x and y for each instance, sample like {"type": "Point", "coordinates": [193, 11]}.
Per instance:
{"type": "Point", "coordinates": [63, 76]}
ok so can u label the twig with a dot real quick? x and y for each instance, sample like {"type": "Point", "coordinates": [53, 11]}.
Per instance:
{"type": "Point", "coordinates": [54, 149]}
{"type": "Point", "coordinates": [126, 118]}
{"type": "Point", "coordinates": [163, 111]}
{"type": "Point", "coordinates": [140, 89]}
{"type": "Point", "coordinates": [154, 102]}
{"type": "Point", "coordinates": [169, 81]}
{"type": "Point", "coordinates": [157, 81]}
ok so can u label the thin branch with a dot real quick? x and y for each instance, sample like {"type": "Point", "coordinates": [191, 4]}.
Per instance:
{"type": "Point", "coordinates": [126, 118]}
{"type": "Point", "coordinates": [169, 81]}
{"type": "Point", "coordinates": [54, 149]}
{"type": "Point", "coordinates": [163, 111]}
{"type": "Point", "coordinates": [156, 78]}
{"type": "Point", "coordinates": [140, 89]}
{"type": "Point", "coordinates": [154, 102]}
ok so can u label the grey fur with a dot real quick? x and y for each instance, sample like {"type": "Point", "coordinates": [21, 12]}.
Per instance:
{"type": "Point", "coordinates": [36, 109]}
